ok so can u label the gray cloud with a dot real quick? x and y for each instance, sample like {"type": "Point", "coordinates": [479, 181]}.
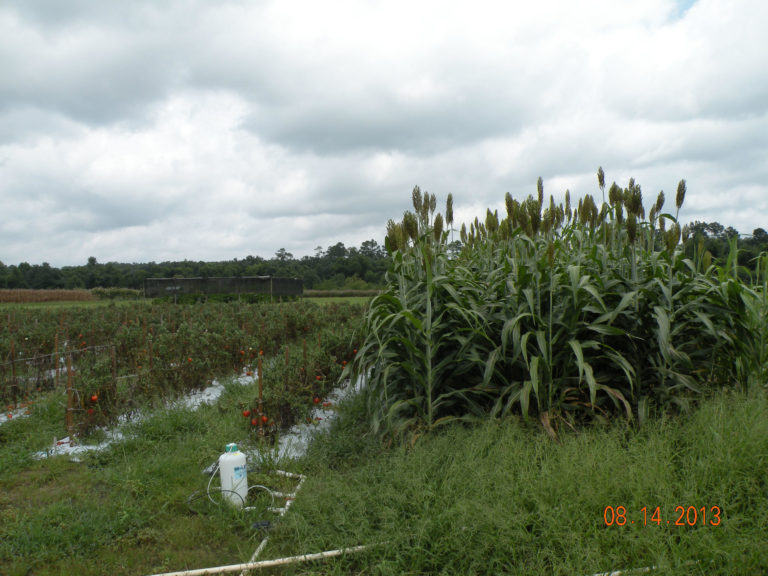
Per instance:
{"type": "Point", "coordinates": [153, 131]}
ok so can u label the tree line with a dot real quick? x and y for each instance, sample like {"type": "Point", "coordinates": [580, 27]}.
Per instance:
{"type": "Point", "coordinates": [336, 267]}
{"type": "Point", "coordinates": [715, 238]}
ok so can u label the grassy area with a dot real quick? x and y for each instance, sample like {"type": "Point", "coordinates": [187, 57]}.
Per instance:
{"type": "Point", "coordinates": [358, 297]}
{"type": "Point", "coordinates": [498, 496]}
{"type": "Point", "coordinates": [123, 510]}
{"type": "Point", "coordinates": [357, 300]}
{"type": "Point", "coordinates": [501, 497]}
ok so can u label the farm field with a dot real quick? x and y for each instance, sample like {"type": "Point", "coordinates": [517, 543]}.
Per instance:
{"type": "Point", "coordinates": [500, 497]}
{"type": "Point", "coordinates": [563, 361]}
{"type": "Point", "coordinates": [499, 494]}
{"type": "Point", "coordinates": [127, 354]}
{"type": "Point", "coordinates": [568, 391]}
{"type": "Point", "coordinates": [45, 296]}
{"type": "Point", "coordinates": [126, 363]}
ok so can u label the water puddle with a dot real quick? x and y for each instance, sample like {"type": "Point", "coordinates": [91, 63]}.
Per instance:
{"type": "Point", "coordinates": [191, 401]}
{"type": "Point", "coordinates": [293, 443]}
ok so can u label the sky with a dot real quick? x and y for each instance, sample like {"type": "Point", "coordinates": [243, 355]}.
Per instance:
{"type": "Point", "coordinates": [140, 131]}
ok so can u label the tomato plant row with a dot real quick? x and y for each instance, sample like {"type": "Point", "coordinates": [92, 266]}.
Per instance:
{"type": "Point", "coordinates": [121, 356]}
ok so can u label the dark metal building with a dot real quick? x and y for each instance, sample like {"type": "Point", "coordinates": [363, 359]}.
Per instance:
{"type": "Point", "coordinates": [267, 285]}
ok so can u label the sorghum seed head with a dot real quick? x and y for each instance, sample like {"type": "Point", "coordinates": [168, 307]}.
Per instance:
{"type": "Point", "coordinates": [680, 194]}
{"type": "Point", "coordinates": [615, 194]}
{"type": "Point", "coordinates": [437, 227]}
{"type": "Point", "coordinates": [540, 190]}
{"type": "Point", "coordinates": [491, 221]}
{"type": "Point", "coordinates": [424, 213]}
{"type": "Point", "coordinates": [416, 197]}
{"type": "Point", "coordinates": [631, 228]}
{"type": "Point", "coordinates": [410, 225]}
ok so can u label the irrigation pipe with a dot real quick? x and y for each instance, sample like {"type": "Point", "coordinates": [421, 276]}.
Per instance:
{"type": "Point", "coordinates": [266, 563]}
{"type": "Point", "coordinates": [643, 570]}
{"type": "Point", "coordinates": [280, 511]}
{"type": "Point", "coordinates": [626, 571]}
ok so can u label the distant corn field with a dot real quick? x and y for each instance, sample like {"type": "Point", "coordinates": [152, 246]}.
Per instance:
{"type": "Point", "coordinates": [568, 312]}
{"type": "Point", "coordinates": [31, 296]}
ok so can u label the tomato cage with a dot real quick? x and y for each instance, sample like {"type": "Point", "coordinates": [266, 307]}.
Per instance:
{"type": "Point", "coordinates": [89, 374]}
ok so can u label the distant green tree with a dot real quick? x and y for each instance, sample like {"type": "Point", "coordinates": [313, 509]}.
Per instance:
{"type": "Point", "coordinates": [282, 255]}
{"type": "Point", "coordinates": [336, 251]}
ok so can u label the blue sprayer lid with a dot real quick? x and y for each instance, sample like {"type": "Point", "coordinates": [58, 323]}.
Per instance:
{"type": "Point", "coordinates": [232, 447]}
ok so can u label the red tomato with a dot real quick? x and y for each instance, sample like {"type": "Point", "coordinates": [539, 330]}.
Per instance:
{"type": "Point", "coordinates": [246, 413]}
{"type": "Point", "coordinates": [94, 398]}
{"type": "Point", "coordinates": [264, 419]}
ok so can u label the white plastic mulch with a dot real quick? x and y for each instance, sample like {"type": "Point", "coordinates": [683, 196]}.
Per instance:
{"type": "Point", "coordinates": [15, 414]}
{"type": "Point", "coordinates": [191, 401]}
{"type": "Point", "coordinates": [294, 443]}
{"type": "Point", "coordinates": [291, 444]}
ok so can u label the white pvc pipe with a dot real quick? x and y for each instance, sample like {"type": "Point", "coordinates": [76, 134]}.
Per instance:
{"type": "Point", "coordinates": [627, 571]}
{"type": "Point", "coordinates": [288, 501]}
{"type": "Point", "coordinates": [265, 563]}
{"type": "Point", "coordinates": [642, 570]}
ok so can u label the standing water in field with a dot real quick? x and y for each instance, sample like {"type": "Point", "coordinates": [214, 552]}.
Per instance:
{"type": "Point", "coordinates": [190, 401]}
{"type": "Point", "coordinates": [293, 443]}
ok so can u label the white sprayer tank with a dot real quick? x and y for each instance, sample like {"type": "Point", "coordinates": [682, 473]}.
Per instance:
{"type": "Point", "coordinates": [234, 476]}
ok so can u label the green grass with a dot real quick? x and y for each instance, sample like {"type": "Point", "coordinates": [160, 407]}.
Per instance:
{"type": "Point", "coordinates": [357, 300]}
{"type": "Point", "coordinates": [502, 497]}
{"type": "Point", "coordinates": [497, 496]}
{"type": "Point", "coordinates": [123, 510]}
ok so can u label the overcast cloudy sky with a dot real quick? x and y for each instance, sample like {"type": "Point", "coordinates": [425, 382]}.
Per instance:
{"type": "Point", "coordinates": [139, 131]}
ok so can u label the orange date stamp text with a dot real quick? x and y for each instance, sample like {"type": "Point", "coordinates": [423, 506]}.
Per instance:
{"type": "Point", "coordinates": [682, 516]}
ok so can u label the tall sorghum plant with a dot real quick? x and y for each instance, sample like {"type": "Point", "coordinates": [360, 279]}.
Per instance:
{"type": "Point", "coordinates": [566, 313]}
